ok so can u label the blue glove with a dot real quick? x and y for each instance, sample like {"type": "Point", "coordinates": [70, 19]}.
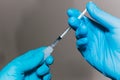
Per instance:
{"type": "Point", "coordinates": [30, 66]}
{"type": "Point", "coordinates": [98, 39]}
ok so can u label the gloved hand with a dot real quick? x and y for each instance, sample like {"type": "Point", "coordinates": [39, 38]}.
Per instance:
{"type": "Point", "coordinates": [30, 66]}
{"type": "Point", "coordinates": [98, 39]}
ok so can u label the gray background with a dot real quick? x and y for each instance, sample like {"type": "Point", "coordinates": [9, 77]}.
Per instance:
{"type": "Point", "coordinates": [28, 24]}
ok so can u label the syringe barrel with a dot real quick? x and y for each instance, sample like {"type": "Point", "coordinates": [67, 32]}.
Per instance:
{"type": "Point", "coordinates": [47, 52]}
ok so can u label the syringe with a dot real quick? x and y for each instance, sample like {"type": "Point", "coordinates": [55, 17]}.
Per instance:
{"type": "Point", "coordinates": [50, 48]}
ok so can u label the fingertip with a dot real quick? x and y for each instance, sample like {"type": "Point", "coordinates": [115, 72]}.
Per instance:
{"type": "Point", "coordinates": [73, 22]}
{"type": "Point", "coordinates": [82, 31]}
{"type": "Point", "coordinates": [82, 43]}
{"type": "Point", "coordinates": [101, 16]}
{"type": "Point", "coordinates": [47, 77]}
{"type": "Point", "coordinates": [93, 9]}
{"type": "Point", "coordinates": [72, 12]}
{"type": "Point", "coordinates": [44, 69]}
{"type": "Point", "coordinates": [50, 60]}
{"type": "Point", "coordinates": [90, 5]}
{"type": "Point", "coordinates": [40, 53]}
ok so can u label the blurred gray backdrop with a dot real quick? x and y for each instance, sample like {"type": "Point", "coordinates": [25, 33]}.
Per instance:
{"type": "Point", "coordinates": [28, 24]}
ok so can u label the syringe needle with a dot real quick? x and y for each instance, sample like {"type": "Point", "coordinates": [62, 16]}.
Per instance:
{"type": "Point", "coordinates": [60, 37]}
{"type": "Point", "coordinates": [50, 49]}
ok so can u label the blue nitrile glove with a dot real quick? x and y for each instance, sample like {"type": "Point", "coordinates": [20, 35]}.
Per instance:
{"type": "Point", "coordinates": [30, 66]}
{"type": "Point", "coordinates": [98, 40]}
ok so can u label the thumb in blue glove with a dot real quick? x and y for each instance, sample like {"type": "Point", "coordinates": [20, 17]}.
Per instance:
{"type": "Point", "coordinates": [30, 66]}
{"type": "Point", "coordinates": [98, 39]}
